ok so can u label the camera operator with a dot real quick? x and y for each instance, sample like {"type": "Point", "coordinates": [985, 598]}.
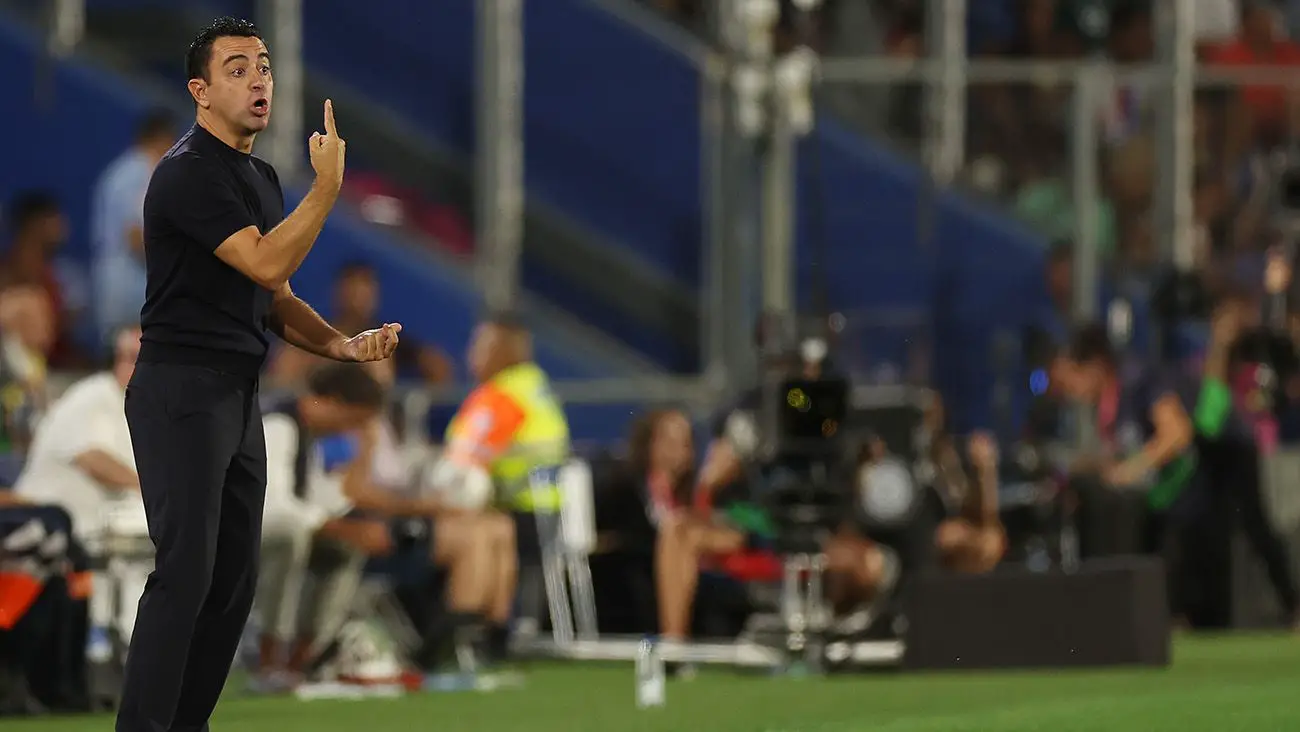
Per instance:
{"type": "Point", "coordinates": [972, 539]}
{"type": "Point", "coordinates": [726, 517]}
{"type": "Point", "coordinates": [1147, 440]}
{"type": "Point", "coordinates": [955, 526]}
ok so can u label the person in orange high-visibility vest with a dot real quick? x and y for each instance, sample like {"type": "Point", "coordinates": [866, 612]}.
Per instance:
{"type": "Point", "coordinates": [513, 428]}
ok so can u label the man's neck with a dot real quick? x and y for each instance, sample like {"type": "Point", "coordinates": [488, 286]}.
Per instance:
{"type": "Point", "coordinates": [27, 258]}
{"type": "Point", "coordinates": [241, 142]}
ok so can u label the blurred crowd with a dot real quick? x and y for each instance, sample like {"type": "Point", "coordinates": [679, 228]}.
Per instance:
{"type": "Point", "coordinates": [1019, 134]}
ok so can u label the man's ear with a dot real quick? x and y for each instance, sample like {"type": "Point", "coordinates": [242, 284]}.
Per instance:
{"type": "Point", "coordinates": [199, 91]}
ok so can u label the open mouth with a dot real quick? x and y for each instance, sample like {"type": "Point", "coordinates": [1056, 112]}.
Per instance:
{"type": "Point", "coordinates": [261, 107]}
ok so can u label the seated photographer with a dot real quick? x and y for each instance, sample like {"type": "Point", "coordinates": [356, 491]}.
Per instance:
{"type": "Point", "coordinates": [955, 525]}
{"type": "Point", "coordinates": [312, 531]}
{"type": "Point", "coordinates": [1147, 439]}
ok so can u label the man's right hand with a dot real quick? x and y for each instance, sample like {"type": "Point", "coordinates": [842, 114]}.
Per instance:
{"type": "Point", "coordinates": [1226, 324]}
{"type": "Point", "coordinates": [372, 538]}
{"type": "Point", "coordinates": [327, 153]}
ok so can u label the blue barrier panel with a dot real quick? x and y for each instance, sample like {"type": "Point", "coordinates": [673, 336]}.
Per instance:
{"type": "Point", "coordinates": [611, 122]}
{"type": "Point", "coordinates": [64, 154]}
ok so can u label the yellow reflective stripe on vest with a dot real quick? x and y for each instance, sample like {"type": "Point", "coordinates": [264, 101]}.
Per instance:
{"type": "Point", "coordinates": [541, 494]}
{"type": "Point", "coordinates": [540, 444]}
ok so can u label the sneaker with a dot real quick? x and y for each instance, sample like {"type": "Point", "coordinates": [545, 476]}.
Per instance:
{"type": "Point", "coordinates": [273, 682]}
{"type": "Point", "coordinates": [860, 620]}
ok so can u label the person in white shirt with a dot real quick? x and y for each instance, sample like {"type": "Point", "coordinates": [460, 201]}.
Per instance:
{"type": "Point", "coordinates": [80, 458]}
{"type": "Point", "coordinates": [314, 539]}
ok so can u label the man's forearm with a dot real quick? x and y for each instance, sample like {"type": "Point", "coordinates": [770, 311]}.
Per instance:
{"type": "Point", "coordinates": [107, 470]}
{"type": "Point", "coordinates": [300, 325]}
{"type": "Point", "coordinates": [283, 248]}
{"type": "Point", "coordinates": [986, 482]}
{"type": "Point", "coordinates": [378, 500]}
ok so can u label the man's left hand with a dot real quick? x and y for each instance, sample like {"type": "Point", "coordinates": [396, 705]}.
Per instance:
{"type": "Point", "coordinates": [1126, 474]}
{"type": "Point", "coordinates": [375, 344]}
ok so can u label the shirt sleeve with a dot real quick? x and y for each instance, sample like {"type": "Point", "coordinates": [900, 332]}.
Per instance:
{"type": "Point", "coordinates": [83, 423]}
{"type": "Point", "coordinates": [337, 451]}
{"type": "Point", "coordinates": [284, 510]}
{"type": "Point", "coordinates": [193, 194]}
{"type": "Point", "coordinates": [484, 428]}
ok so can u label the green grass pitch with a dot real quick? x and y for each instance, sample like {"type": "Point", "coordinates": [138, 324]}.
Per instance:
{"type": "Point", "coordinates": [1216, 684]}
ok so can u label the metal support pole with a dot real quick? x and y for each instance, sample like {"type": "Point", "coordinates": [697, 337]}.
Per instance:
{"type": "Point", "coordinates": [1084, 141]}
{"type": "Point", "coordinates": [1088, 89]}
{"type": "Point", "coordinates": [499, 196]}
{"type": "Point", "coordinates": [778, 218]}
{"type": "Point", "coordinates": [1175, 154]}
{"type": "Point", "coordinates": [67, 27]}
{"type": "Point", "coordinates": [716, 295]}
{"type": "Point", "coordinates": [746, 32]}
{"type": "Point", "coordinates": [945, 106]}
{"type": "Point", "coordinates": [285, 142]}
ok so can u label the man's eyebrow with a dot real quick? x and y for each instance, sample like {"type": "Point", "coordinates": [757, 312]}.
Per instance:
{"type": "Point", "coordinates": [243, 57]}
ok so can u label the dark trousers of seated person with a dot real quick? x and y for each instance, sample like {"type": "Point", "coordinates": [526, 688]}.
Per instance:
{"type": "Point", "coordinates": [624, 584]}
{"type": "Point", "coordinates": [45, 650]}
{"type": "Point", "coordinates": [627, 601]}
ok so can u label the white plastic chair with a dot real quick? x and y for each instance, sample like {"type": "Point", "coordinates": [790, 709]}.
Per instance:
{"type": "Point", "coordinates": [566, 544]}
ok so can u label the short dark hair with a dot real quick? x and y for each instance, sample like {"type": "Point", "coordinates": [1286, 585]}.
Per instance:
{"type": "Point", "coordinates": [506, 320]}
{"type": "Point", "coordinates": [349, 383]}
{"type": "Point", "coordinates": [1091, 343]}
{"type": "Point", "coordinates": [1061, 250]}
{"type": "Point", "coordinates": [156, 125]}
{"type": "Point", "coordinates": [30, 206]}
{"type": "Point", "coordinates": [355, 267]}
{"type": "Point", "coordinates": [199, 56]}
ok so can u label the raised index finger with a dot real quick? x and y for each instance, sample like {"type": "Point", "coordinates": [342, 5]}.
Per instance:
{"type": "Point", "coordinates": [329, 119]}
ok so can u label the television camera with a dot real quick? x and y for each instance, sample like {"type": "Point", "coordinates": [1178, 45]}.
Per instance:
{"type": "Point", "coordinates": [803, 442]}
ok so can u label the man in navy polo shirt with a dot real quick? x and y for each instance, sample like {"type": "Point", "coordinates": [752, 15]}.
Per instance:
{"type": "Point", "coordinates": [219, 252]}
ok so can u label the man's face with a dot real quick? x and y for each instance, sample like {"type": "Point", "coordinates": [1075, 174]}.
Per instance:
{"type": "Point", "coordinates": [26, 313]}
{"type": "Point", "coordinates": [1083, 381]}
{"type": "Point", "coordinates": [47, 232]}
{"type": "Point", "coordinates": [1258, 23]}
{"type": "Point", "coordinates": [1060, 277]}
{"type": "Point", "coordinates": [358, 295]}
{"type": "Point", "coordinates": [483, 349]}
{"type": "Point", "coordinates": [328, 416]}
{"type": "Point", "coordinates": [239, 85]}
{"type": "Point", "coordinates": [673, 449]}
